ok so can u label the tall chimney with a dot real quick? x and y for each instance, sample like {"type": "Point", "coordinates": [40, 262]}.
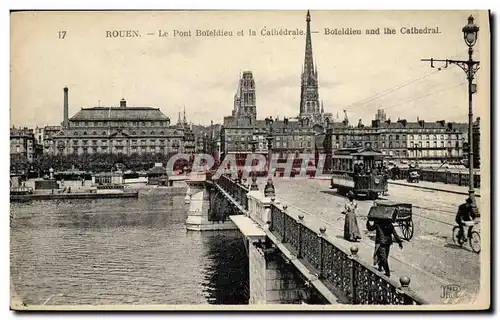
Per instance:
{"type": "Point", "coordinates": [66, 117]}
{"type": "Point", "coordinates": [123, 103]}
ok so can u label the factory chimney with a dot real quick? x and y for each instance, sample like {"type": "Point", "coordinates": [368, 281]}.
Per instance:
{"type": "Point", "coordinates": [66, 117]}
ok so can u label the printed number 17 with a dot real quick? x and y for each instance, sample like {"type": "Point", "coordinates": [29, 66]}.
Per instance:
{"type": "Point", "coordinates": [62, 34]}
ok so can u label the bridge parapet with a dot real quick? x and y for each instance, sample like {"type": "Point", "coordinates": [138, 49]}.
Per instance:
{"type": "Point", "coordinates": [337, 270]}
{"type": "Point", "coordinates": [259, 208]}
{"type": "Point", "coordinates": [344, 273]}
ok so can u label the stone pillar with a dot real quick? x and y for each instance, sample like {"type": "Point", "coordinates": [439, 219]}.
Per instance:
{"type": "Point", "coordinates": [199, 207]}
{"type": "Point", "coordinates": [257, 273]}
{"type": "Point", "coordinates": [283, 285]}
{"type": "Point", "coordinates": [272, 279]}
{"type": "Point", "coordinates": [198, 198]}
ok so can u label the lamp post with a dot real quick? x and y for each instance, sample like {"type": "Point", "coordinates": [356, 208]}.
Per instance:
{"type": "Point", "coordinates": [254, 186]}
{"type": "Point", "coordinates": [470, 67]}
{"type": "Point", "coordinates": [254, 141]}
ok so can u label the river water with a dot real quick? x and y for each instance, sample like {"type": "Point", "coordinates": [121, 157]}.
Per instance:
{"type": "Point", "coordinates": [122, 251]}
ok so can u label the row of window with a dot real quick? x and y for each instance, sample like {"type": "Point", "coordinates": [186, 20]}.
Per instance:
{"type": "Point", "coordinates": [17, 141]}
{"type": "Point", "coordinates": [277, 144]}
{"type": "Point", "coordinates": [396, 144]}
{"type": "Point", "coordinates": [434, 144]}
{"type": "Point", "coordinates": [431, 153]}
{"type": "Point", "coordinates": [119, 123]}
{"type": "Point", "coordinates": [124, 142]}
{"type": "Point", "coordinates": [397, 137]}
{"type": "Point", "coordinates": [277, 138]}
{"type": "Point", "coordinates": [19, 149]}
{"type": "Point", "coordinates": [252, 132]}
{"type": "Point", "coordinates": [116, 150]}
{"type": "Point", "coordinates": [434, 137]}
{"type": "Point", "coordinates": [104, 133]}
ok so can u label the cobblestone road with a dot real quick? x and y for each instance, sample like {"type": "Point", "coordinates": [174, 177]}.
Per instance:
{"type": "Point", "coordinates": [430, 258]}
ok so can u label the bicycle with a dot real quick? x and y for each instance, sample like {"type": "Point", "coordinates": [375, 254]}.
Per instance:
{"type": "Point", "coordinates": [474, 237]}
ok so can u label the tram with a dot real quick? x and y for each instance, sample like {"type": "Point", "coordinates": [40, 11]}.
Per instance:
{"type": "Point", "coordinates": [359, 170]}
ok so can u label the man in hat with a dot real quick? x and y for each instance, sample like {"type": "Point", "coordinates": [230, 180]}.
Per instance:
{"type": "Point", "coordinates": [383, 241]}
{"type": "Point", "coordinates": [465, 213]}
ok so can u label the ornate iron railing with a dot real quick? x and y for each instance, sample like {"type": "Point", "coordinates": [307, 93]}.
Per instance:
{"type": "Point", "coordinates": [343, 272]}
{"type": "Point", "coordinates": [236, 190]}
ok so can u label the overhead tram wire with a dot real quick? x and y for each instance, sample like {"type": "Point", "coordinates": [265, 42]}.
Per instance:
{"type": "Point", "coordinates": [398, 87]}
{"type": "Point", "coordinates": [424, 96]}
{"type": "Point", "coordinates": [414, 99]}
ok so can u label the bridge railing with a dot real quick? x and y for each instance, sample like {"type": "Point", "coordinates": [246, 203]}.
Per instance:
{"type": "Point", "coordinates": [344, 273]}
{"type": "Point", "coordinates": [236, 190]}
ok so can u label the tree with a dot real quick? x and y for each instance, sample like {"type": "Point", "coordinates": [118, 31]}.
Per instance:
{"type": "Point", "coordinates": [18, 163]}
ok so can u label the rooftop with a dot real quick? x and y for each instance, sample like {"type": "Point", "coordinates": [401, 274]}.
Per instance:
{"type": "Point", "coordinates": [21, 132]}
{"type": "Point", "coordinates": [119, 113]}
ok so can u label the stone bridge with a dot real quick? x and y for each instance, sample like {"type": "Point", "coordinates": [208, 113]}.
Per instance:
{"type": "Point", "coordinates": [289, 261]}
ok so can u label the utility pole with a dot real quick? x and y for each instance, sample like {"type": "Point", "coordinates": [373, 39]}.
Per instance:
{"type": "Point", "coordinates": [470, 67]}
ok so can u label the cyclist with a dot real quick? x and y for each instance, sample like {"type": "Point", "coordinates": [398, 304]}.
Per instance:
{"type": "Point", "coordinates": [465, 213]}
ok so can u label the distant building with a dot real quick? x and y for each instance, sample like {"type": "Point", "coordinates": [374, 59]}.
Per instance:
{"type": "Point", "coordinates": [44, 138]}
{"type": "Point", "coordinates": [242, 130]}
{"type": "Point", "coordinates": [121, 130]}
{"type": "Point", "coordinates": [381, 116]}
{"type": "Point", "coordinates": [22, 143]}
{"type": "Point", "coordinates": [288, 136]}
{"type": "Point", "coordinates": [403, 140]}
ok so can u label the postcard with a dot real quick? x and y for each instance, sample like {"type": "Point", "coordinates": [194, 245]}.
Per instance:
{"type": "Point", "coordinates": [256, 160]}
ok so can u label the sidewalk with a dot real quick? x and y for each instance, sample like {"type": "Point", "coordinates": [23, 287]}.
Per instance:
{"type": "Point", "coordinates": [436, 186]}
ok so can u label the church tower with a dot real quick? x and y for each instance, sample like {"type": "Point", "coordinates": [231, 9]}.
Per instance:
{"type": "Point", "coordinates": [309, 96]}
{"type": "Point", "coordinates": [244, 99]}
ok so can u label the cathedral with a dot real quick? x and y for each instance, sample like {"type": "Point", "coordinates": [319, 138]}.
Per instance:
{"type": "Point", "coordinates": [310, 106]}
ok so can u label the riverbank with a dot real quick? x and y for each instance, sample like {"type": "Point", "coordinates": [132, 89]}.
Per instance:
{"type": "Point", "coordinates": [67, 196]}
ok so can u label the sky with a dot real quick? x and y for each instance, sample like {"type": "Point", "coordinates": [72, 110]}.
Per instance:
{"type": "Point", "coordinates": [201, 74]}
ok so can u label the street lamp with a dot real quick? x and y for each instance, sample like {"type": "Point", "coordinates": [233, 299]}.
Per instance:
{"type": "Point", "coordinates": [254, 186]}
{"type": "Point", "coordinates": [269, 138]}
{"type": "Point", "coordinates": [470, 67]}
{"type": "Point", "coordinates": [254, 141]}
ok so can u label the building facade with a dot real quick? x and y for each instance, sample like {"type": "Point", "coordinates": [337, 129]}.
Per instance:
{"type": "Point", "coordinates": [403, 140]}
{"type": "Point", "coordinates": [287, 136]}
{"type": "Point", "coordinates": [120, 130]}
{"type": "Point", "coordinates": [44, 138]}
{"type": "Point", "coordinates": [23, 143]}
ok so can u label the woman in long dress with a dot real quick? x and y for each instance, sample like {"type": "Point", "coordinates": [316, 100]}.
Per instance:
{"type": "Point", "coordinates": [351, 229]}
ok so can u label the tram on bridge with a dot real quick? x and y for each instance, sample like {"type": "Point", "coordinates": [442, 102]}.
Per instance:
{"type": "Point", "coordinates": [360, 170]}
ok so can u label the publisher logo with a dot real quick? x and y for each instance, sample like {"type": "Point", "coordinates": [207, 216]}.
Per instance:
{"type": "Point", "coordinates": [451, 291]}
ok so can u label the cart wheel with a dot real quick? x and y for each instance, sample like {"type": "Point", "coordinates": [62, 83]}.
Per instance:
{"type": "Point", "coordinates": [455, 238]}
{"type": "Point", "coordinates": [475, 242]}
{"type": "Point", "coordinates": [407, 229]}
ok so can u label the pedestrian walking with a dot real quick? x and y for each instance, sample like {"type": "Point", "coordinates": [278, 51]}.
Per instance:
{"type": "Point", "coordinates": [351, 228]}
{"type": "Point", "coordinates": [383, 241]}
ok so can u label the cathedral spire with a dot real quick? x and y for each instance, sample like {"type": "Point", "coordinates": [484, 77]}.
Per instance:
{"type": "Point", "coordinates": [308, 59]}
{"type": "Point", "coordinates": [309, 96]}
